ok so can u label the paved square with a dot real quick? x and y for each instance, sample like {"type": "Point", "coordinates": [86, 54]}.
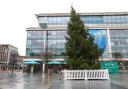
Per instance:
{"type": "Point", "coordinates": [40, 81]}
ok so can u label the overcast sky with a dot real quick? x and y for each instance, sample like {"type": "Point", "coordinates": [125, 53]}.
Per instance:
{"type": "Point", "coordinates": [17, 15]}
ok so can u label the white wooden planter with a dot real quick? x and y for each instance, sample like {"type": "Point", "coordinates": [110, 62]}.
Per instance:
{"type": "Point", "coordinates": [86, 74]}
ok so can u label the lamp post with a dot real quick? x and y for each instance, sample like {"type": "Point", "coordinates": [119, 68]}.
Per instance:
{"type": "Point", "coordinates": [44, 26]}
{"type": "Point", "coordinates": [13, 63]}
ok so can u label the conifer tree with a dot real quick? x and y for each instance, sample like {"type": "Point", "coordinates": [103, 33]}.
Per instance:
{"type": "Point", "coordinates": [81, 50]}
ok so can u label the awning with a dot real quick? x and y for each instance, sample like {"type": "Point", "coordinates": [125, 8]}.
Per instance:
{"type": "Point", "coordinates": [56, 62]}
{"type": "Point", "coordinates": [31, 59]}
{"type": "Point", "coordinates": [31, 62]}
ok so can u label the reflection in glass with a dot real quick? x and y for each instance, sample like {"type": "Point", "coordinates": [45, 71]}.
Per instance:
{"type": "Point", "coordinates": [87, 84]}
{"type": "Point", "coordinates": [119, 41]}
{"type": "Point", "coordinates": [101, 40]}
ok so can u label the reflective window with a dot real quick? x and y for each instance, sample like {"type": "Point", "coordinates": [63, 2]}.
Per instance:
{"type": "Point", "coordinates": [101, 40]}
{"type": "Point", "coordinates": [119, 41]}
{"type": "Point", "coordinates": [41, 19]}
{"type": "Point", "coordinates": [63, 20]}
{"type": "Point", "coordinates": [35, 43]}
{"type": "Point", "coordinates": [56, 42]}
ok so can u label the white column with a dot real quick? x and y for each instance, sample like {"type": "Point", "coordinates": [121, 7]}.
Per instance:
{"type": "Point", "coordinates": [44, 50]}
{"type": "Point", "coordinates": [43, 67]}
{"type": "Point", "coordinates": [44, 36]}
{"type": "Point", "coordinates": [109, 43]}
{"type": "Point", "coordinates": [31, 69]}
{"type": "Point", "coordinates": [45, 32]}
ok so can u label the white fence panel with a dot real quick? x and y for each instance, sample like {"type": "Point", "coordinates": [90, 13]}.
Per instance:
{"type": "Point", "coordinates": [74, 74]}
{"type": "Point", "coordinates": [98, 74]}
{"type": "Point", "coordinates": [86, 74]}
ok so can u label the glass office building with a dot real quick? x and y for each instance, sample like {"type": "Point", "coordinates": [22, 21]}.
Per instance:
{"type": "Point", "coordinates": [110, 30]}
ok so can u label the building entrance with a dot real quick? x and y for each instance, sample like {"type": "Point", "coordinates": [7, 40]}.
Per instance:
{"type": "Point", "coordinates": [32, 67]}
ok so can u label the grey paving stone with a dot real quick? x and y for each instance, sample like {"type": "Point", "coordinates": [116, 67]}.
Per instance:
{"type": "Point", "coordinates": [41, 81]}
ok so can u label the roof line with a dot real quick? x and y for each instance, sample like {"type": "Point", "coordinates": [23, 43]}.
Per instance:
{"type": "Point", "coordinates": [95, 13]}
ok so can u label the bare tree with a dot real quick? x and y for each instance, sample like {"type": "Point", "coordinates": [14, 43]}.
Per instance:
{"type": "Point", "coordinates": [45, 58]}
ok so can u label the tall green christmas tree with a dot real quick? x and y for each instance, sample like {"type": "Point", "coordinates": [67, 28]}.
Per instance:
{"type": "Point", "coordinates": [81, 50]}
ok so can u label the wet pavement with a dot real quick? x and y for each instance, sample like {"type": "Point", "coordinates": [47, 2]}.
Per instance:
{"type": "Point", "coordinates": [21, 80]}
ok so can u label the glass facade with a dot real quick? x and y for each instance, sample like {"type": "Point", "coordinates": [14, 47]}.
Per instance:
{"type": "Point", "coordinates": [112, 40]}
{"type": "Point", "coordinates": [56, 42]}
{"type": "Point", "coordinates": [63, 20]}
{"type": "Point", "coordinates": [54, 20]}
{"type": "Point", "coordinates": [35, 43]}
{"type": "Point", "coordinates": [119, 42]}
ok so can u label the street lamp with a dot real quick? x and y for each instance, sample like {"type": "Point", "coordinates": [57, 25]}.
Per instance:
{"type": "Point", "coordinates": [13, 63]}
{"type": "Point", "coordinates": [44, 26]}
{"type": "Point", "coordinates": [14, 59]}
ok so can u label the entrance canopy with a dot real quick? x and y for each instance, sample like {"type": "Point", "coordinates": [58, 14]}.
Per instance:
{"type": "Point", "coordinates": [31, 59]}
{"type": "Point", "coordinates": [31, 62]}
{"type": "Point", "coordinates": [56, 62]}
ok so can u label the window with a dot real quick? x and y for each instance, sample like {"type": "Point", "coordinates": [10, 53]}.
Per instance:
{"type": "Point", "coordinates": [119, 40]}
